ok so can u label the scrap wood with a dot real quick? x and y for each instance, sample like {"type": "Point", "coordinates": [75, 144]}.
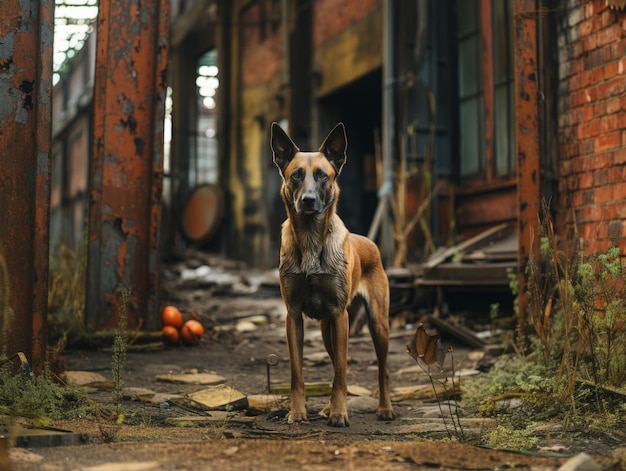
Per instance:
{"type": "Point", "coordinates": [441, 257]}
{"type": "Point", "coordinates": [319, 389]}
{"type": "Point", "coordinates": [457, 331]}
{"type": "Point", "coordinates": [310, 389]}
{"type": "Point", "coordinates": [425, 392]}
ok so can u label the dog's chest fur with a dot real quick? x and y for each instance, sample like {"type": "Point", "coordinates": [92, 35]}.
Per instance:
{"type": "Point", "coordinates": [312, 270]}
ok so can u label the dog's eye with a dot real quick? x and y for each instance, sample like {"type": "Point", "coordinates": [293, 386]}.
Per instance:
{"type": "Point", "coordinates": [321, 176]}
{"type": "Point", "coordinates": [296, 176]}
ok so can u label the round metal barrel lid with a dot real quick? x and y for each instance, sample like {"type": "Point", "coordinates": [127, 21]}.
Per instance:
{"type": "Point", "coordinates": [203, 213]}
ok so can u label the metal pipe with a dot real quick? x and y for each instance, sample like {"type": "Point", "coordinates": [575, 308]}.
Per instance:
{"type": "Point", "coordinates": [386, 189]}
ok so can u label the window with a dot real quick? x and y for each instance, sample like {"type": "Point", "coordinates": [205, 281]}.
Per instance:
{"type": "Point", "coordinates": [485, 90]}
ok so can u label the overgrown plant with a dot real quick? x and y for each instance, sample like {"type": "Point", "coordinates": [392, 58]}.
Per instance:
{"type": "Point", "coordinates": [37, 399]}
{"type": "Point", "coordinates": [66, 293]}
{"type": "Point", "coordinates": [577, 308]}
{"type": "Point", "coordinates": [118, 361]}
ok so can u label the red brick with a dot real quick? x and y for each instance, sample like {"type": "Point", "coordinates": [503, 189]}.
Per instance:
{"type": "Point", "coordinates": [604, 194]}
{"type": "Point", "coordinates": [599, 161]}
{"type": "Point", "coordinates": [619, 191]}
{"type": "Point", "coordinates": [611, 69]}
{"type": "Point", "coordinates": [577, 50]}
{"type": "Point", "coordinates": [614, 86]}
{"type": "Point", "coordinates": [599, 108]}
{"type": "Point", "coordinates": [620, 209]}
{"type": "Point", "coordinates": [590, 43]}
{"type": "Point", "coordinates": [613, 105]}
{"type": "Point", "coordinates": [578, 81]}
{"type": "Point", "coordinates": [615, 174]}
{"type": "Point", "coordinates": [608, 141]}
{"type": "Point", "coordinates": [585, 181]}
{"type": "Point", "coordinates": [608, 123]}
{"type": "Point", "coordinates": [585, 27]}
{"type": "Point", "coordinates": [619, 157]}
{"type": "Point", "coordinates": [609, 34]}
{"type": "Point", "coordinates": [588, 146]}
{"type": "Point", "coordinates": [617, 50]}
{"type": "Point", "coordinates": [586, 113]}
{"type": "Point", "coordinates": [596, 57]}
{"type": "Point", "coordinates": [583, 97]}
{"type": "Point", "coordinates": [590, 213]}
{"type": "Point", "coordinates": [576, 198]}
{"type": "Point", "coordinates": [588, 129]}
{"type": "Point", "coordinates": [578, 164]}
{"type": "Point", "coordinates": [608, 17]}
{"type": "Point", "coordinates": [601, 177]}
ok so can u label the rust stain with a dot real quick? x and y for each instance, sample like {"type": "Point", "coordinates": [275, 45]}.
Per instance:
{"type": "Point", "coordinates": [527, 141]}
{"type": "Point", "coordinates": [127, 166]}
{"type": "Point", "coordinates": [25, 126]}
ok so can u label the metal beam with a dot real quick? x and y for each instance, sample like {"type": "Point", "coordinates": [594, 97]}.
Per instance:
{"type": "Point", "coordinates": [26, 41]}
{"type": "Point", "coordinates": [126, 172]}
{"type": "Point", "coordinates": [527, 141]}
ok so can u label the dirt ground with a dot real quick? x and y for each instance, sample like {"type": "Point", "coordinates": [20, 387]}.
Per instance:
{"type": "Point", "coordinates": [244, 317]}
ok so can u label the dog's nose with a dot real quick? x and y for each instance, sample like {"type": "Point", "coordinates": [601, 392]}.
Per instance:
{"type": "Point", "coordinates": [308, 199]}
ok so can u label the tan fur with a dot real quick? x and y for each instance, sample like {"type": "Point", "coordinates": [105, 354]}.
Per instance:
{"type": "Point", "coordinates": [324, 269]}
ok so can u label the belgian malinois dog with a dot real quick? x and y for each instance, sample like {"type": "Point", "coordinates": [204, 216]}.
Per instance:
{"type": "Point", "coordinates": [326, 272]}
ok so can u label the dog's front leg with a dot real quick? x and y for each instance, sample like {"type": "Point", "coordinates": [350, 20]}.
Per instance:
{"type": "Point", "coordinates": [335, 332]}
{"type": "Point", "coordinates": [295, 341]}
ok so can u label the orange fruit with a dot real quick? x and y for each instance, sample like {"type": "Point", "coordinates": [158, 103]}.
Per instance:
{"type": "Point", "coordinates": [172, 316]}
{"type": "Point", "coordinates": [170, 334]}
{"type": "Point", "coordinates": [192, 332]}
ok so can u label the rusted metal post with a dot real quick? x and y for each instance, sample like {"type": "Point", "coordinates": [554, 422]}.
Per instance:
{"type": "Point", "coordinates": [126, 173]}
{"type": "Point", "coordinates": [527, 142]}
{"type": "Point", "coordinates": [25, 137]}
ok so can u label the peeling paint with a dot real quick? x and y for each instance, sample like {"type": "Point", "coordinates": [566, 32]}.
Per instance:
{"type": "Point", "coordinates": [128, 97]}
{"type": "Point", "coordinates": [26, 42]}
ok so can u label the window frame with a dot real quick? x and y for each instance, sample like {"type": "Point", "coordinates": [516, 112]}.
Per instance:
{"type": "Point", "coordinates": [492, 168]}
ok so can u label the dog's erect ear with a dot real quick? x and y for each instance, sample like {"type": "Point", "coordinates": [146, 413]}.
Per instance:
{"type": "Point", "coordinates": [334, 147]}
{"type": "Point", "coordinates": [283, 148]}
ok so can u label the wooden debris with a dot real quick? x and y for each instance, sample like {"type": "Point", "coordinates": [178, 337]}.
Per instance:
{"type": "Point", "coordinates": [219, 397]}
{"type": "Point", "coordinates": [191, 378]}
{"type": "Point", "coordinates": [310, 389]}
{"type": "Point", "coordinates": [459, 332]}
{"type": "Point", "coordinates": [266, 402]}
{"type": "Point", "coordinates": [424, 392]}
{"type": "Point", "coordinates": [355, 390]}
{"type": "Point", "coordinates": [88, 379]}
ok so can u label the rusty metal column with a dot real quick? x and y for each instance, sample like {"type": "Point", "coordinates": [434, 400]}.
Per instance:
{"type": "Point", "coordinates": [126, 172]}
{"type": "Point", "coordinates": [527, 142]}
{"type": "Point", "coordinates": [26, 28]}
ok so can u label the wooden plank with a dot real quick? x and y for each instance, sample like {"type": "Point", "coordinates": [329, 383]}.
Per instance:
{"type": "Point", "coordinates": [449, 252]}
{"type": "Point", "coordinates": [464, 335]}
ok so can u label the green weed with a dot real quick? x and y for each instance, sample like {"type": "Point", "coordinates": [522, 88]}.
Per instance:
{"type": "Point", "coordinates": [118, 361]}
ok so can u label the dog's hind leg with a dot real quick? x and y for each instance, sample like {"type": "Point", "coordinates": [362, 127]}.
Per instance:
{"type": "Point", "coordinates": [379, 329]}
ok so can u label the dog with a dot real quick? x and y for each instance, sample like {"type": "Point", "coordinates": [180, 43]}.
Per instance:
{"type": "Point", "coordinates": [326, 272]}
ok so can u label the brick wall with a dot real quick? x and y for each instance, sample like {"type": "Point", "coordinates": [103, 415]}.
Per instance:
{"type": "Point", "coordinates": [592, 122]}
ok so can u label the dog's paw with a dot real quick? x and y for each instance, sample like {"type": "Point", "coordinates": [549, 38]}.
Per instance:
{"type": "Point", "coordinates": [325, 412]}
{"type": "Point", "coordinates": [338, 420]}
{"type": "Point", "coordinates": [294, 417]}
{"type": "Point", "coordinates": [385, 414]}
